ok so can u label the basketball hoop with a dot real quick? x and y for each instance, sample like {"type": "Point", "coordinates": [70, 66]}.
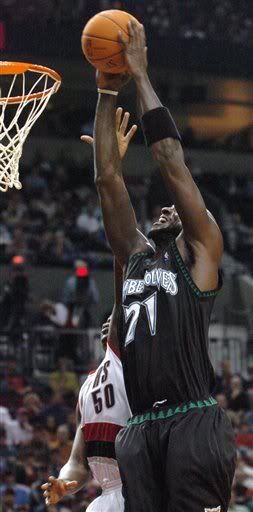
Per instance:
{"type": "Point", "coordinates": [26, 96]}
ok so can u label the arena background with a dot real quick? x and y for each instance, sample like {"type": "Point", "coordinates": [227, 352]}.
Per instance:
{"type": "Point", "coordinates": [200, 55]}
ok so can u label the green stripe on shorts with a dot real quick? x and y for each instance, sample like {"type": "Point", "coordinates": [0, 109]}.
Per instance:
{"type": "Point", "coordinates": [162, 414]}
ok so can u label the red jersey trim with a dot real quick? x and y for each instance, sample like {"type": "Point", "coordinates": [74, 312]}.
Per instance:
{"type": "Point", "coordinates": [113, 348]}
{"type": "Point", "coordinates": [101, 431]}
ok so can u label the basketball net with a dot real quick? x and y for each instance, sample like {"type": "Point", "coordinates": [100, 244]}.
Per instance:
{"type": "Point", "coordinates": [30, 104]}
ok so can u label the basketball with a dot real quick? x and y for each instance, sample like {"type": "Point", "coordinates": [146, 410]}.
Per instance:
{"type": "Point", "coordinates": [100, 40]}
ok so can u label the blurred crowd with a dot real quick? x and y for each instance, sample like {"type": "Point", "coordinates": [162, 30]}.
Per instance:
{"type": "Point", "coordinates": [235, 395]}
{"type": "Point", "coordinates": [201, 19]}
{"type": "Point", "coordinates": [53, 220]}
{"type": "Point", "coordinates": [37, 427]}
{"type": "Point", "coordinates": [56, 219]}
{"type": "Point", "coordinates": [190, 19]}
{"type": "Point", "coordinates": [60, 320]}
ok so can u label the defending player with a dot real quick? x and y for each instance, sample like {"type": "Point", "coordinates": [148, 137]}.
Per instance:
{"type": "Point", "coordinates": [102, 408]}
{"type": "Point", "coordinates": [102, 411]}
{"type": "Point", "coordinates": [177, 452]}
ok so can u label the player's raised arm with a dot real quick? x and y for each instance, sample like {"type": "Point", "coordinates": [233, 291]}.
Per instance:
{"type": "Point", "coordinates": [118, 214]}
{"type": "Point", "coordinates": [163, 137]}
{"type": "Point", "coordinates": [73, 474]}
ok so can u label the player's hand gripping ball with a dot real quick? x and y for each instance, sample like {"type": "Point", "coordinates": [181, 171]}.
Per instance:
{"type": "Point", "coordinates": [101, 43]}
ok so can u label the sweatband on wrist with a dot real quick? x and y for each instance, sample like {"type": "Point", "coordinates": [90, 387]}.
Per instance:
{"type": "Point", "coordinates": [158, 124]}
{"type": "Point", "coordinates": [107, 91]}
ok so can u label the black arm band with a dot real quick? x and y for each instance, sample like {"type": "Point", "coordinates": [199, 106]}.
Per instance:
{"type": "Point", "coordinates": [158, 124]}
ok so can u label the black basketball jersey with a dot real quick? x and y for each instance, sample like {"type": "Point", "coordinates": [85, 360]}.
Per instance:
{"type": "Point", "coordinates": [164, 332]}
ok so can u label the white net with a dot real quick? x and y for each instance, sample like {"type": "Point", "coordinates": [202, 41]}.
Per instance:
{"type": "Point", "coordinates": [16, 121]}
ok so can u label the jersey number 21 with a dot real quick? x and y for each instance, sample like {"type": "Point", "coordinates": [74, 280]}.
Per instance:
{"type": "Point", "coordinates": [132, 312]}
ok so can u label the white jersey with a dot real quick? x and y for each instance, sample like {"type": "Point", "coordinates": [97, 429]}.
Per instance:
{"type": "Point", "coordinates": [104, 411]}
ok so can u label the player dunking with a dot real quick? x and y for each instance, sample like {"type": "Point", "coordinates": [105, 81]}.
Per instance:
{"type": "Point", "coordinates": [102, 408]}
{"type": "Point", "coordinates": [177, 452]}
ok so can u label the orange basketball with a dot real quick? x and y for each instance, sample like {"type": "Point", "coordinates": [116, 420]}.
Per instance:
{"type": "Point", "coordinates": [100, 40]}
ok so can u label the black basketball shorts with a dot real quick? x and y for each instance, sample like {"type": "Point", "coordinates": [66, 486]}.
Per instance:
{"type": "Point", "coordinates": [177, 460]}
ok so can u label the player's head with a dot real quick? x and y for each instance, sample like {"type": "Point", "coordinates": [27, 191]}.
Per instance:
{"type": "Point", "coordinates": [169, 223]}
{"type": "Point", "coordinates": [105, 332]}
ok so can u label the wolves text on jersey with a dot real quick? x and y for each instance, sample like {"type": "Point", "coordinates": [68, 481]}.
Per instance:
{"type": "Point", "coordinates": [157, 277]}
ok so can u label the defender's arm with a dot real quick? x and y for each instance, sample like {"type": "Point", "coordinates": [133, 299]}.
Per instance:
{"type": "Point", "coordinates": [76, 468]}
{"type": "Point", "coordinates": [73, 474]}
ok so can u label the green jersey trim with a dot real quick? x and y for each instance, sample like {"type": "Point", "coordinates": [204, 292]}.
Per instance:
{"type": "Point", "coordinates": [164, 413]}
{"type": "Point", "coordinates": [187, 275]}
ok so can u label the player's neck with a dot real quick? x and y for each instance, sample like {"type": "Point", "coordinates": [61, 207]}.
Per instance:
{"type": "Point", "coordinates": [162, 244]}
{"type": "Point", "coordinates": [162, 239]}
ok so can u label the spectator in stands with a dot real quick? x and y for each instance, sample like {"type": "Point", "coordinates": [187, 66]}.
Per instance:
{"type": "Point", "coordinates": [51, 428]}
{"type": "Point", "coordinates": [244, 436]}
{"type": "Point", "coordinates": [47, 204]}
{"type": "Point", "coordinates": [7, 452]}
{"type": "Point", "coordinates": [249, 382]}
{"type": "Point", "coordinates": [235, 507]}
{"type": "Point", "coordinates": [8, 500]}
{"type": "Point", "coordinates": [38, 445]}
{"type": "Point", "coordinates": [53, 313]}
{"type": "Point", "coordinates": [15, 210]}
{"type": "Point", "coordinates": [18, 244]}
{"type": "Point", "coordinates": [55, 462]}
{"type": "Point", "coordinates": [5, 240]}
{"type": "Point", "coordinates": [34, 407]}
{"type": "Point", "coordinates": [238, 399]}
{"type": "Point", "coordinates": [89, 224]}
{"type": "Point", "coordinates": [34, 183]}
{"type": "Point", "coordinates": [13, 378]}
{"type": "Point", "coordinates": [21, 492]}
{"type": "Point", "coordinates": [244, 473]}
{"type": "Point", "coordinates": [63, 444]}
{"type": "Point", "coordinates": [57, 408]}
{"type": "Point", "coordinates": [80, 293]}
{"type": "Point", "coordinates": [44, 247]}
{"type": "Point", "coordinates": [223, 381]}
{"type": "Point", "coordinates": [4, 412]}
{"type": "Point", "coordinates": [239, 231]}
{"type": "Point", "coordinates": [36, 496]}
{"type": "Point", "coordinates": [62, 249]}
{"type": "Point", "coordinates": [90, 220]}
{"type": "Point", "coordinates": [63, 379]}
{"type": "Point", "coordinates": [20, 431]}
{"type": "Point", "coordinates": [35, 220]}
{"type": "Point", "coordinates": [14, 299]}
{"type": "Point", "coordinates": [71, 422]}
{"type": "Point", "coordinates": [25, 466]}
{"type": "Point", "coordinates": [222, 401]}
